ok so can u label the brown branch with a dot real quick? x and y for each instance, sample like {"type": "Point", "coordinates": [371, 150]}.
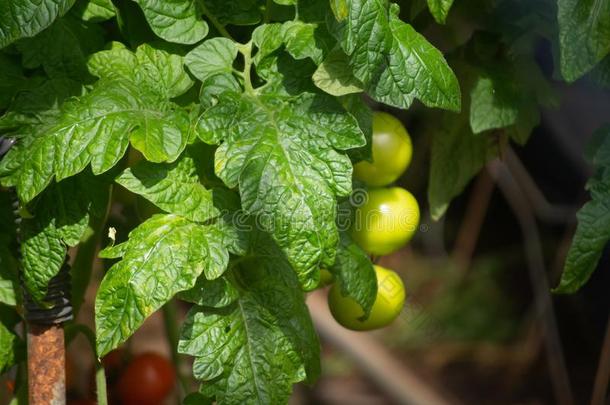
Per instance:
{"type": "Point", "coordinates": [474, 217]}
{"type": "Point", "coordinates": [600, 387]}
{"type": "Point", "coordinates": [515, 197]}
{"type": "Point", "coordinates": [554, 213]}
{"type": "Point", "coordinates": [373, 358]}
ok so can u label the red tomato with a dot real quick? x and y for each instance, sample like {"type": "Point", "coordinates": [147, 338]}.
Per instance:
{"type": "Point", "coordinates": [10, 386]}
{"type": "Point", "coordinates": [147, 380]}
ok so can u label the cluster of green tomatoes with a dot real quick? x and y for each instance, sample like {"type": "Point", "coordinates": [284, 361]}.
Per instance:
{"type": "Point", "coordinates": [385, 221]}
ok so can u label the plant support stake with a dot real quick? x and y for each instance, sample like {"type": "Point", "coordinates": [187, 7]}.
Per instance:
{"type": "Point", "coordinates": [45, 334]}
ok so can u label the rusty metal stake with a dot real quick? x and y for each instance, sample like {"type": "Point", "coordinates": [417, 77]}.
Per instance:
{"type": "Point", "coordinates": [46, 365]}
{"type": "Point", "coordinates": [45, 341]}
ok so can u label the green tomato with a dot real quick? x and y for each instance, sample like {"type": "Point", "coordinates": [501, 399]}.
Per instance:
{"type": "Point", "coordinates": [326, 278]}
{"type": "Point", "coordinates": [388, 304]}
{"type": "Point", "coordinates": [391, 150]}
{"type": "Point", "coordinates": [386, 221]}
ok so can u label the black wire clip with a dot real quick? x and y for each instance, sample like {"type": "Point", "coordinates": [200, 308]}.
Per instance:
{"type": "Point", "coordinates": [58, 308]}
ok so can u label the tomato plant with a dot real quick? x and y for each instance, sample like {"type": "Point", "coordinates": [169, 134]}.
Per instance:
{"type": "Point", "coordinates": [235, 126]}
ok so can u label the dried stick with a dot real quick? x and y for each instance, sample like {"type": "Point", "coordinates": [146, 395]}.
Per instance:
{"type": "Point", "coordinates": [515, 197]}
{"type": "Point", "coordinates": [474, 217]}
{"type": "Point", "coordinates": [373, 358]}
{"type": "Point", "coordinates": [600, 387]}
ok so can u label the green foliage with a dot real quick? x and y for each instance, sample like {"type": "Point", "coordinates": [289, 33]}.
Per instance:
{"type": "Point", "coordinates": [249, 115]}
{"type": "Point", "coordinates": [584, 35]}
{"type": "Point", "coordinates": [253, 350]}
{"type": "Point", "coordinates": [162, 257]}
{"type": "Point", "coordinates": [61, 217]}
{"type": "Point", "coordinates": [173, 187]}
{"type": "Point", "coordinates": [403, 65]}
{"type": "Point", "coordinates": [593, 231]}
{"type": "Point", "coordinates": [283, 155]}
{"type": "Point", "coordinates": [11, 346]}
{"type": "Point", "coordinates": [439, 9]}
{"type": "Point", "coordinates": [175, 21]}
{"type": "Point", "coordinates": [26, 18]}
{"type": "Point", "coordinates": [355, 273]}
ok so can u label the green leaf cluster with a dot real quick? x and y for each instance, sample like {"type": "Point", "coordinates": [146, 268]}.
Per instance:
{"type": "Point", "coordinates": [593, 230]}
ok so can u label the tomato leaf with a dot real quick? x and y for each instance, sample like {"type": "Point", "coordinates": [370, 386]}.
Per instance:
{"type": "Point", "coordinates": [356, 106]}
{"type": "Point", "coordinates": [255, 349]}
{"type": "Point", "coordinates": [355, 273]}
{"type": "Point", "coordinates": [507, 95]}
{"type": "Point", "coordinates": [584, 35]}
{"type": "Point", "coordinates": [8, 264]}
{"type": "Point", "coordinates": [593, 230]}
{"type": "Point", "coordinates": [12, 79]}
{"type": "Point", "coordinates": [457, 156]}
{"type": "Point", "coordinates": [154, 70]}
{"type": "Point", "coordinates": [11, 346]}
{"type": "Point", "coordinates": [306, 40]}
{"type": "Point", "coordinates": [213, 57]}
{"type": "Point", "coordinates": [237, 12]}
{"type": "Point", "coordinates": [63, 48]}
{"type": "Point", "coordinates": [216, 293]}
{"type": "Point", "coordinates": [394, 62]}
{"type": "Point", "coordinates": [129, 103]}
{"type": "Point", "coordinates": [283, 154]}
{"type": "Point", "coordinates": [335, 76]}
{"type": "Point", "coordinates": [94, 10]}
{"type": "Point", "coordinates": [173, 187]}
{"type": "Point", "coordinates": [60, 218]}
{"type": "Point", "coordinates": [175, 21]}
{"type": "Point", "coordinates": [9, 283]}
{"type": "Point", "coordinates": [439, 9]}
{"type": "Point", "coordinates": [37, 104]}
{"type": "Point", "coordinates": [25, 18]}
{"type": "Point", "coordinates": [163, 256]}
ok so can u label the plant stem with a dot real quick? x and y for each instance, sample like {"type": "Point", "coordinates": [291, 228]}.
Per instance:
{"type": "Point", "coordinates": [268, 6]}
{"type": "Point", "coordinates": [171, 330]}
{"type": "Point", "coordinates": [20, 396]}
{"type": "Point", "coordinates": [100, 383]}
{"type": "Point", "coordinates": [246, 51]}
{"type": "Point", "coordinates": [83, 262]}
{"type": "Point", "coordinates": [212, 18]}
{"type": "Point", "coordinates": [100, 374]}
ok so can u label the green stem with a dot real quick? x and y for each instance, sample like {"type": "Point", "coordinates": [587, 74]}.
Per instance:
{"type": "Point", "coordinates": [268, 6]}
{"type": "Point", "coordinates": [20, 396]}
{"type": "Point", "coordinates": [100, 374]}
{"type": "Point", "coordinates": [246, 51]}
{"type": "Point", "coordinates": [212, 18]}
{"type": "Point", "coordinates": [83, 262]}
{"type": "Point", "coordinates": [172, 331]}
{"type": "Point", "coordinates": [100, 383]}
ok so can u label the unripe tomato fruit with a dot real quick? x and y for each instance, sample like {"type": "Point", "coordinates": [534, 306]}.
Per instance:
{"type": "Point", "coordinates": [326, 278]}
{"type": "Point", "coordinates": [391, 152]}
{"type": "Point", "coordinates": [388, 304]}
{"type": "Point", "coordinates": [147, 380]}
{"type": "Point", "coordinates": [386, 221]}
